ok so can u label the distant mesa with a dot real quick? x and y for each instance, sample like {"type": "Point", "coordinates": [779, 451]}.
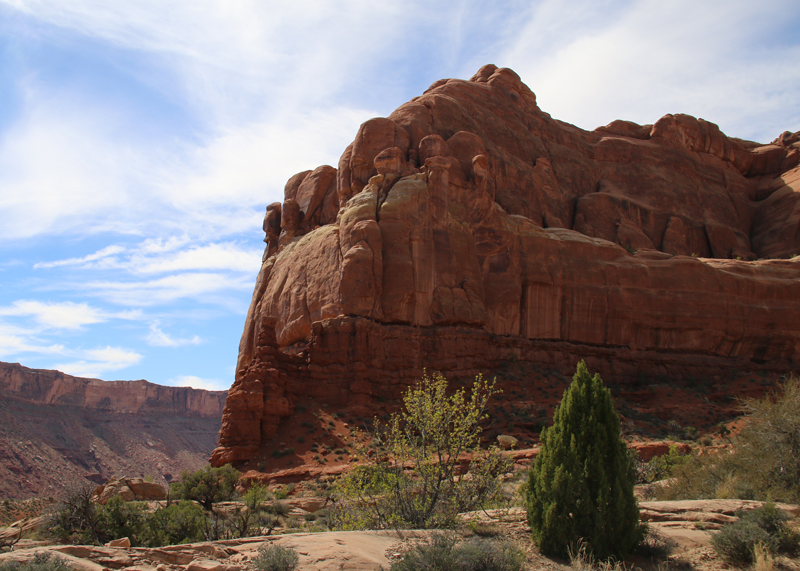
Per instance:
{"type": "Point", "coordinates": [470, 230]}
{"type": "Point", "coordinates": [58, 431]}
{"type": "Point", "coordinates": [43, 386]}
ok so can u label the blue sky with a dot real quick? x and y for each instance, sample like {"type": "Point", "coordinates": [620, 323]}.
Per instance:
{"type": "Point", "coordinates": [141, 140]}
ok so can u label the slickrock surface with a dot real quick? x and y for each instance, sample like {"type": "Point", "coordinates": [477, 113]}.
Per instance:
{"type": "Point", "coordinates": [57, 431]}
{"type": "Point", "coordinates": [469, 229]}
{"type": "Point", "coordinates": [354, 550]}
{"type": "Point", "coordinates": [686, 526]}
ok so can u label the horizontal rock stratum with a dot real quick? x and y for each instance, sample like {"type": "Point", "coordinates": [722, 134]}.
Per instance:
{"type": "Point", "coordinates": [49, 387]}
{"type": "Point", "coordinates": [469, 229]}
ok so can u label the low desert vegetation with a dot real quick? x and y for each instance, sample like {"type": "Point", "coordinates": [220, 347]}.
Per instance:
{"type": "Point", "coordinates": [760, 533]}
{"type": "Point", "coordinates": [41, 561]}
{"type": "Point", "coordinates": [183, 522]}
{"type": "Point", "coordinates": [75, 517]}
{"type": "Point", "coordinates": [659, 467]}
{"type": "Point", "coordinates": [764, 463]}
{"type": "Point", "coordinates": [445, 552]}
{"type": "Point", "coordinates": [78, 520]}
{"type": "Point", "coordinates": [207, 485]}
{"type": "Point", "coordinates": [276, 558]}
{"type": "Point", "coordinates": [411, 473]}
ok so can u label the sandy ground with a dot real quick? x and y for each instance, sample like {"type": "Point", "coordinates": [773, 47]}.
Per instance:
{"type": "Point", "coordinates": [685, 526]}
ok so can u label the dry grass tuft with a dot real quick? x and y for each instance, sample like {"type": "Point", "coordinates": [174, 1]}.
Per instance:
{"type": "Point", "coordinates": [581, 560]}
{"type": "Point", "coordinates": [764, 561]}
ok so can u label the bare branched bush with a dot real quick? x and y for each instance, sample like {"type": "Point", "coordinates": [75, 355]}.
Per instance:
{"type": "Point", "coordinates": [411, 473]}
{"type": "Point", "coordinates": [764, 462]}
{"type": "Point", "coordinates": [9, 540]}
{"type": "Point", "coordinates": [74, 519]}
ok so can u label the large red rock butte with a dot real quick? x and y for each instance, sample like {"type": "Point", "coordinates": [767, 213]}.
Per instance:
{"type": "Point", "coordinates": [470, 229]}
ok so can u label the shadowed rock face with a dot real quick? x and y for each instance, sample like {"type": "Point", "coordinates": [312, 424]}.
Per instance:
{"type": "Point", "coordinates": [469, 228]}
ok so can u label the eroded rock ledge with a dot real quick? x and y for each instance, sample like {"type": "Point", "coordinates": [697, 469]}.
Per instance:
{"type": "Point", "coordinates": [470, 228]}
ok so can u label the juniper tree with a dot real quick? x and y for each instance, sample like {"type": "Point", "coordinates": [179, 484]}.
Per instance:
{"type": "Point", "coordinates": [580, 488]}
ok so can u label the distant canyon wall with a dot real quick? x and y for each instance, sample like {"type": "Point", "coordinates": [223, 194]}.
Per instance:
{"type": "Point", "coordinates": [58, 431]}
{"type": "Point", "coordinates": [57, 388]}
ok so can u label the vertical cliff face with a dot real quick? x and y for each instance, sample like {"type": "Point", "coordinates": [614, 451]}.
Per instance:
{"type": "Point", "coordinates": [57, 431]}
{"type": "Point", "coordinates": [469, 228]}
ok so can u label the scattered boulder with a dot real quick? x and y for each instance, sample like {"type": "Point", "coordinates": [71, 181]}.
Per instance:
{"type": "Point", "coordinates": [131, 489]}
{"type": "Point", "coordinates": [648, 450]}
{"type": "Point", "coordinates": [506, 442]}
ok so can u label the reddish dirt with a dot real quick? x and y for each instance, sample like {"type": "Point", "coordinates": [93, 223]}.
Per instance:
{"type": "Point", "coordinates": [655, 411]}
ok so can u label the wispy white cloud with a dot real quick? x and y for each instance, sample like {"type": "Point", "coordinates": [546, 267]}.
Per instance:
{"type": "Point", "coordinates": [230, 55]}
{"type": "Point", "coordinates": [59, 170]}
{"type": "Point", "coordinates": [158, 338]}
{"type": "Point", "coordinates": [63, 315]}
{"type": "Point", "coordinates": [166, 255]}
{"type": "Point", "coordinates": [30, 342]}
{"type": "Point", "coordinates": [642, 59]}
{"type": "Point", "coordinates": [84, 261]}
{"type": "Point", "coordinates": [261, 92]}
{"type": "Point", "coordinates": [199, 383]}
{"type": "Point", "coordinates": [65, 169]}
{"type": "Point", "coordinates": [196, 285]}
{"type": "Point", "coordinates": [40, 322]}
{"type": "Point", "coordinates": [15, 341]}
{"type": "Point", "coordinates": [96, 362]}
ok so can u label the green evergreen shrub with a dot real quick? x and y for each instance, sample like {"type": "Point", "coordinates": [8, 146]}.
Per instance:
{"type": "Point", "coordinates": [580, 488]}
{"type": "Point", "coordinates": [183, 522]}
{"type": "Point", "coordinates": [207, 486]}
{"type": "Point", "coordinates": [118, 518]}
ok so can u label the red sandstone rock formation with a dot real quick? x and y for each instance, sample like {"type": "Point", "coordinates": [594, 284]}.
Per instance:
{"type": "Point", "coordinates": [469, 228]}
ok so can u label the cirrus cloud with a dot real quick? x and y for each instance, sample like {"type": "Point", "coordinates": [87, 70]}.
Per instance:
{"type": "Point", "coordinates": [96, 362]}
{"type": "Point", "coordinates": [63, 315]}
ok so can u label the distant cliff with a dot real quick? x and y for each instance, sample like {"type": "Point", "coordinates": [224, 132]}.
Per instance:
{"type": "Point", "coordinates": [58, 431]}
{"type": "Point", "coordinates": [54, 387]}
